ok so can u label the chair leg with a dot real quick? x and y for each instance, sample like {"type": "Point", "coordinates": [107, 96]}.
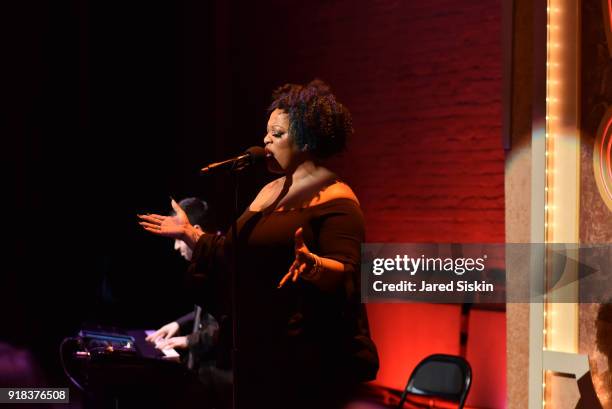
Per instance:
{"type": "Point", "coordinates": [402, 399]}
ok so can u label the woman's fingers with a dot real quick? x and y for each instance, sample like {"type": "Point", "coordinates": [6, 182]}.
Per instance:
{"type": "Point", "coordinates": [303, 259]}
{"type": "Point", "coordinates": [151, 222]}
{"type": "Point", "coordinates": [303, 255]}
{"type": "Point", "coordinates": [299, 238]}
{"type": "Point", "coordinates": [150, 225]}
{"type": "Point", "coordinates": [176, 207]}
{"type": "Point", "coordinates": [298, 267]}
{"type": "Point", "coordinates": [151, 228]}
{"type": "Point", "coordinates": [284, 279]}
{"type": "Point", "coordinates": [154, 231]}
{"type": "Point", "coordinates": [151, 218]}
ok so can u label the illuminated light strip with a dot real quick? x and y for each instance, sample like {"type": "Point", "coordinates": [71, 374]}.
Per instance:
{"type": "Point", "coordinates": [610, 12]}
{"type": "Point", "coordinates": [559, 153]}
{"type": "Point", "coordinates": [609, 165]}
{"type": "Point", "coordinates": [551, 95]}
{"type": "Point", "coordinates": [602, 163]}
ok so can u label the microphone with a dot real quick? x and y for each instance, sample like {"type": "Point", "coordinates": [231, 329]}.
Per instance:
{"type": "Point", "coordinates": [251, 156]}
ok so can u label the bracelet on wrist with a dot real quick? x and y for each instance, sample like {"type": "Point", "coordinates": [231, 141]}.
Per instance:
{"type": "Point", "coordinates": [316, 269]}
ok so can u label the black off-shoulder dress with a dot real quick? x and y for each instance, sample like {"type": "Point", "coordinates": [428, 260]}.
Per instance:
{"type": "Point", "coordinates": [298, 346]}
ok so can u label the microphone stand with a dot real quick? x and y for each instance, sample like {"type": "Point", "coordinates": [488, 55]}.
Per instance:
{"type": "Point", "coordinates": [234, 290]}
{"type": "Point", "coordinates": [197, 312]}
{"type": "Point", "coordinates": [235, 166]}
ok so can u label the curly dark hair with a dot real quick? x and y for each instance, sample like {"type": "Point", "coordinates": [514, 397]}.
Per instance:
{"type": "Point", "coordinates": [316, 119]}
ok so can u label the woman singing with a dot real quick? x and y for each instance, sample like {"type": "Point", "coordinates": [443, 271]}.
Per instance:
{"type": "Point", "coordinates": [303, 337]}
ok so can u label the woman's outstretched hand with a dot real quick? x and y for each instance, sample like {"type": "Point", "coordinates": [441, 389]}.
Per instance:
{"type": "Point", "coordinates": [166, 226]}
{"type": "Point", "coordinates": [304, 260]}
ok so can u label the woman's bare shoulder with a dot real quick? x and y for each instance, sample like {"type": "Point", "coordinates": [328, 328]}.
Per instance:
{"type": "Point", "coordinates": [335, 190]}
{"type": "Point", "coordinates": [273, 185]}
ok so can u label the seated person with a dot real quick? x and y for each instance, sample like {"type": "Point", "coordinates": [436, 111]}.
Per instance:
{"type": "Point", "coordinates": [202, 340]}
{"type": "Point", "coordinates": [203, 344]}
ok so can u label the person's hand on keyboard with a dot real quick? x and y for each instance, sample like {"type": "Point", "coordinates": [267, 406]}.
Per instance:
{"type": "Point", "coordinates": [175, 342]}
{"type": "Point", "coordinates": [164, 333]}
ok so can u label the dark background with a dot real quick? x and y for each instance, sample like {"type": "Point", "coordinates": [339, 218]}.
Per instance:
{"type": "Point", "coordinates": [112, 106]}
{"type": "Point", "coordinates": [111, 109]}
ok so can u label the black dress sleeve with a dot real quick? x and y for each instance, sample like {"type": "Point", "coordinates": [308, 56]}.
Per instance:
{"type": "Point", "coordinates": [206, 254]}
{"type": "Point", "coordinates": [342, 231]}
{"type": "Point", "coordinates": [205, 273]}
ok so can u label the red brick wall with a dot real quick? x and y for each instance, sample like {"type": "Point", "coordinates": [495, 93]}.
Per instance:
{"type": "Point", "coordinates": [423, 81]}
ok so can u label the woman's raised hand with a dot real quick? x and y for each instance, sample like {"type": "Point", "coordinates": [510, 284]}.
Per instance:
{"type": "Point", "coordinates": [304, 260]}
{"type": "Point", "coordinates": [166, 226]}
